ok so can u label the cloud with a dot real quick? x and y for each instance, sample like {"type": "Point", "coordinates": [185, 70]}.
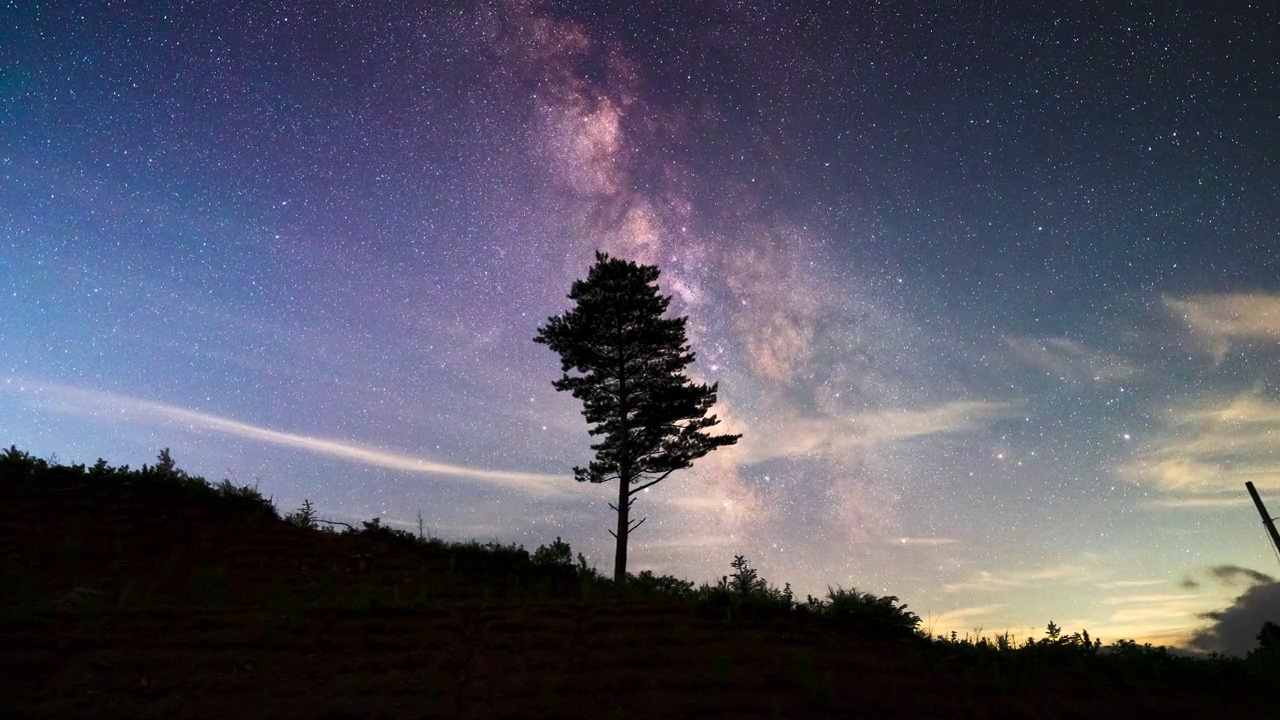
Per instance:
{"type": "Point", "coordinates": [1194, 502]}
{"type": "Point", "coordinates": [1136, 611]}
{"type": "Point", "coordinates": [824, 436]}
{"type": "Point", "coordinates": [1150, 598]}
{"type": "Point", "coordinates": [925, 541]}
{"type": "Point", "coordinates": [689, 542]}
{"type": "Point", "coordinates": [1234, 629]}
{"type": "Point", "coordinates": [93, 402]}
{"type": "Point", "coordinates": [960, 619]}
{"type": "Point", "coordinates": [1168, 609]}
{"type": "Point", "coordinates": [1115, 584]}
{"type": "Point", "coordinates": [1208, 451]}
{"type": "Point", "coordinates": [1069, 360]}
{"type": "Point", "coordinates": [1057, 574]}
{"type": "Point", "coordinates": [1234, 575]}
{"type": "Point", "coordinates": [1219, 321]}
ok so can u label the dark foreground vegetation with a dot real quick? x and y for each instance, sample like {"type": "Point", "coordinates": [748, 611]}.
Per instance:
{"type": "Point", "coordinates": [149, 593]}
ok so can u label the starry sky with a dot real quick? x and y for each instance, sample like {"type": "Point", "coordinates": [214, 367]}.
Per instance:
{"type": "Point", "coordinates": [991, 292]}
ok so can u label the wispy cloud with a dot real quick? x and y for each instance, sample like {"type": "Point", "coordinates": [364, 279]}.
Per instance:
{"type": "Point", "coordinates": [1161, 618]}
{"type": "Point", "coordinates": [1116, 584]}
{"type": "Point", "coordinates": [925, 541]}
{"type": "Point", "coordinates": [83, 401]}
{"type": "Point", "coordinates": [1235, 575]}
{"type": "Point", "coordinates": [1150, 598]}
{"type": "Point", "coordinates": [1204, 503]}
{"type": "Point", "coordinates": [823, 436]}
{"type": "Point", "coordinates": [698, 542]}
{"type": "Point", "coordinates": [1070, 360]}
{"type": "Point", "coordinates": [1218, 321]}
{"type": "Point", "coordinates": [1180, 608]}
{"type": "Point", "coordinates": [961, 619]}
{"type": "Point", "coordinates": [1053, 575]}
{"type": "Point", "coordinates": [1208, 451]}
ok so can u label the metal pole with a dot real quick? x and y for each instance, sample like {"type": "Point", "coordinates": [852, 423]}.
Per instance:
{"type": "Point", "coordinates": [1266, 517]}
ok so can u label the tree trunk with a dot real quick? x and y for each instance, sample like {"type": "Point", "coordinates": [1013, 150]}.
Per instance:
{"type": "Point", "coordinates": [624, 527]}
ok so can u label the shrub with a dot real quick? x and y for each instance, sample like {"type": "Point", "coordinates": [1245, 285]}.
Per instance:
{"type": "Point", "coordinates": [556, 555]}
{"type": "Point", "coordinates": [17, 465]}
{"type": "Point", "coordinates": [866, 613]}
{"type": "Point", "coordinates": [1269, 637]}
{"type": "Point", "coordinates": [489, 558]}
{"type": "Point", "coordinates": [240, 495]}
{"type": "Point", "coordinates": [375, 528]}
{"type": "Point", "coordinates": [744, 593]}
{"type": "Point", "coordinates": [304, 517]}
{"type": "Point", "coordinates": [647, 584]}
{"type": "Point", "coordinates": [1076, 643]}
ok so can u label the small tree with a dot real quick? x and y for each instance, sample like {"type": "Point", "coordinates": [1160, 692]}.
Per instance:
{"type": "Point", "coordinates": [165, 465]}
{"type": "Point", "coordinates": [557, 554]}
{"type": "Point", "coordinates": [1269, 637]}
{"type": "Point", "coordinates": [629, 362]}
{"type": "Point", "coordinates": [303, 517]}
{"type": "Point", "coordinates": [744, 580]}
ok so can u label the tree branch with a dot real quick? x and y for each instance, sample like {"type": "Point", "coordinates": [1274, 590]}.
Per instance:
{"type": "Point", "coordinates": [629, 504]}
{"type": "Point", "coordinates": [336, 522]}
{"type": "Point", "coordinates": [651, 484]}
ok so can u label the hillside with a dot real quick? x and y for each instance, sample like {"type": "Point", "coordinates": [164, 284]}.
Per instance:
{"type": "Point", "coordinates": [149, 594]}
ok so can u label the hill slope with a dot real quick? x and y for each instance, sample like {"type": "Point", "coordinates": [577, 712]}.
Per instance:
{"type": "Point", "coordinates": [122, 596]}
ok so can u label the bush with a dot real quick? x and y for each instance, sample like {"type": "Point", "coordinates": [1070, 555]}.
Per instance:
{"type": "Point", "coordinates": [304, 517]}
{"type": "Point", "coordinates": [744, 593]}
{"type": "Point", "coordinates": [374, 528]}
{"type": "Point", "coordinates": [646, 584]}
{"type": "Point", "coordinates": [1269, 637]}
{"type": "Point", "coordinates": [17, 465]}
{"type": "Point", "coordinates": [241, 495]}
{"type": "Point", "coordinates": [164, 480]}
{"type": "Point", "coordinates": [866, 613]}
{"type": "Point", "coordinates": [1074, 644]}
{"type": "Point", "coordinates": [556, 555]}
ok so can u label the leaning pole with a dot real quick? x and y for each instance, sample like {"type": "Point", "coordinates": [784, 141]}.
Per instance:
{"type": "Point", "coordinates": [1266, 516]}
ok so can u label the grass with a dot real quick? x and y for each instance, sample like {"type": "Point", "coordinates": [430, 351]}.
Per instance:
{"type": "Point", "coordinates": [816, 684]}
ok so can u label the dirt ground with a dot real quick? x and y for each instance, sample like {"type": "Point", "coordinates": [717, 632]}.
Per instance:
{"type": "Point", "coordinates": [115, 607]}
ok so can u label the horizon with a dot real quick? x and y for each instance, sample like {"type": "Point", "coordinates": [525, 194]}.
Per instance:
{"type": "Point", "coordinates": [993, 297]}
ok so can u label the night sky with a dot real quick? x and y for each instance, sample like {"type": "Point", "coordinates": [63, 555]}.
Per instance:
{"type": "Point", "coordinates": [993, 294]}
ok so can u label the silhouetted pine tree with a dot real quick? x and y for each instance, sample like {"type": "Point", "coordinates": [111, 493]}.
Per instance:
{"type": "Point", "coordinates": [629, 362]}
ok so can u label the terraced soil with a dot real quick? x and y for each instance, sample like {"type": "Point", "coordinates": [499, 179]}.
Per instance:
{"type": "Point", "coordinates": [122, 607]}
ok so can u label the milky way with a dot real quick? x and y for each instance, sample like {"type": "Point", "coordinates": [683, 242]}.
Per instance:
{"type": "Point", "coordinates": [992, 296]}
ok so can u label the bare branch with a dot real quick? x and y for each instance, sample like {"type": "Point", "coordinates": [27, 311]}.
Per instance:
{"type": "Point", "coordinates": [638, 524]}
{"type": "Point", "coordinates": [650, 484]}
{"type": "Point", "coordinates": [336, 522]}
